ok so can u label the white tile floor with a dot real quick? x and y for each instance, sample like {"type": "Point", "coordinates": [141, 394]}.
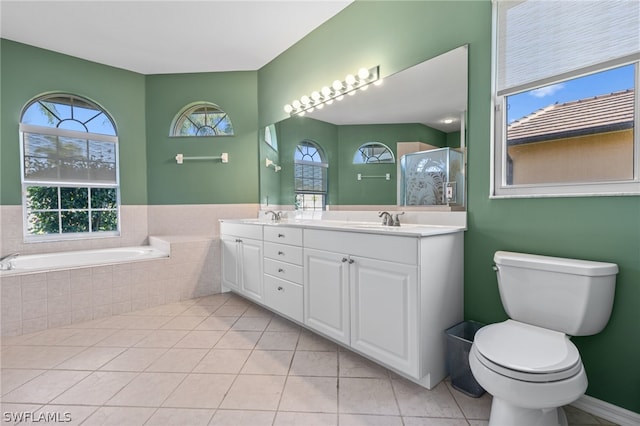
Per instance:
{"type": "Point", "coordinates": [217, 360]}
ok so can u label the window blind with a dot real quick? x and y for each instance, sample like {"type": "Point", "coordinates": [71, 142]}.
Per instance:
{"type": "Point", "coordinates": [539, 40]}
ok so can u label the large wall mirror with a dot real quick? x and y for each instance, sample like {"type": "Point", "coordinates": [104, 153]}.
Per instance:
{"type": "Point", "coordinates": [421, 107]}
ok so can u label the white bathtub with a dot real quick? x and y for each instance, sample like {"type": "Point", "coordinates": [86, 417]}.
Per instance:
{"type": "Point", "coordinates": [75, 259]}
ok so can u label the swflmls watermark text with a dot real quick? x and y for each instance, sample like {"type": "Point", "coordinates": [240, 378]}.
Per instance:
{"type": "Point", "coordinates": [31, 416]}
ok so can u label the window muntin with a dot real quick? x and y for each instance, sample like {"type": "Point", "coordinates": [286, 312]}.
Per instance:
{"type": "Point", "coordinates": [202, 119]}
{"type": "Point", "coordinates": [69, 163]}
{"type": "Point", "coordinates": [573, 151]}
{"type": "Point", "coordinates": [310, 176]}
{"type": "Point", "coordinates": [373, 153]}
{"type": "Point", "coordinates": [69, 112]}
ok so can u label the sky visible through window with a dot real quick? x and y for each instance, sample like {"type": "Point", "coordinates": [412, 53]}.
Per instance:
{"type": "Point", "coordinates": [601, 83]}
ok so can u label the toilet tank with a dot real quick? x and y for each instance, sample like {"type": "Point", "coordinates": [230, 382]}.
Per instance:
{"type": "Point", "coordinates": [567, 295]}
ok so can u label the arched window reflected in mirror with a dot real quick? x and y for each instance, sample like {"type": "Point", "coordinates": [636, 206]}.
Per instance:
{"type": "Point", "coordinates": [373, 153]}
{"type": "Point", "coordinates": [310, 176]}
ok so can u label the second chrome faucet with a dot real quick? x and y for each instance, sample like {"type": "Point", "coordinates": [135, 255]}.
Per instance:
{"type": "Point", "coordinates": [389, 220]}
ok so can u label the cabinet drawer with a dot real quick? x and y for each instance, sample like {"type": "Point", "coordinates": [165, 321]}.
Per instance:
{"type": "Point", "coordinates": [286, 271]}
{"type": "Point", "coordinates": [241, 230]}
{"type": "Point", "coordinates": [282, 234]}
{"type": "Point", "coordinates": [283, 252]}
{"type": "Point", "coordinates": [391, 248]}
{"type": "Point", "coordinates": [283, 297]}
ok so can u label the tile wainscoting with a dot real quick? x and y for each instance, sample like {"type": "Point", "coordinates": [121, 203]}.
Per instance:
{"type": "Point", "coordinates": [37, 301]}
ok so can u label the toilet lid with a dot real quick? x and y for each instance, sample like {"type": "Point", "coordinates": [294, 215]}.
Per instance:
{"type": "Point", "coordinates": [527, 348]}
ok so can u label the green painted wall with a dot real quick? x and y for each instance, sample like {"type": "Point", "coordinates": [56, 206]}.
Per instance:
{"type": "Point", "coordinates": [398, 34]}
{"type": "Point", "coordinates": [202, 182]}
{"type": "Point", "coordinates": [375, 190]}
{"type": "Point", "coordinates": [27, 72]}
{"type": "Point", "coordinates": [293, 131]}
{"type": "Point", "coordinates": [339, 143]}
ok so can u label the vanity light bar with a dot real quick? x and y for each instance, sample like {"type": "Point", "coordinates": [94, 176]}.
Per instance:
{"type": "Point", "coordinates": [336, 91]}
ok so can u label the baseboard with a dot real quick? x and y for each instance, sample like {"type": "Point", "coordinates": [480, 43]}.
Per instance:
{"type": "Point", "coordinates": [607, 411]}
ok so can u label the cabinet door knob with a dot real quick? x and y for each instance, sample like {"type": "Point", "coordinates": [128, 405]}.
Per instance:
{"type": "Point", "coordinates": [344, 259]}
{"type": "Point", "coordinates": [238, 240]}
{"type": "Point", "coordinates": [280, 288]}
{"type": "Point", "coordinates": [280, 235]}
{"type": "Point", "coordinates": [280, 270]}
{"type": "Point", "coordinates": [351, 261]}
{"type": "Point", "coordinates": [281, 253]}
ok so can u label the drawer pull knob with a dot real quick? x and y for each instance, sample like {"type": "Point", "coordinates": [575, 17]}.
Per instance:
{"type": "Point", "coordinates": [280, 288]}
{"type": "Point", "coordinates": [280, 270]}
{"type": "Point", "coordinates": [280, 235]}
{"type": "Point", "coordinates": [281, 253]}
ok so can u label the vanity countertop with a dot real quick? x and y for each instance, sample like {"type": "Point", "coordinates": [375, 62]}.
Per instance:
{"type": "Point", "coordinates": [405, 229]}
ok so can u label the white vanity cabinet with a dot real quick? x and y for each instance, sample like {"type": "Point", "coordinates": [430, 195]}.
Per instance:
{"type": "Point", "coordinates": [326, 295]}
{"type": "Point", "coordinates": [387, 294]}
{"type": "Point", "coordinates": [283, 272]}
{"type": "Point", "coordinates": [241, 247]}
{"type": "Point", "coordinates": [366, 295]}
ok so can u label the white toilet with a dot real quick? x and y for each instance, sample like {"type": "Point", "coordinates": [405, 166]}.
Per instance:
{"type": "Point", "coordinates": [527, 362]}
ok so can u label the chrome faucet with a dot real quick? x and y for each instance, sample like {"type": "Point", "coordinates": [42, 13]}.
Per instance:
{"type": "Point", "coordinates": [396, 221]}
{"type": "Point", "coordinates": [387, 219]}
{"type": "Point", "coordinates": [275, 216]}
{"type": "Point", "coordinates": [5, 262]}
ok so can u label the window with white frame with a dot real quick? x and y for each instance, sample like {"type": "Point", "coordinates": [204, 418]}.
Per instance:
{"type": "Point", "coordinates": [373, 153]}
{"type": "Point", "coordinates": [69, 164]}
{"type": "Point", "coordinates": [565, 98]}
{"type": "Point", "coordinates": [310, 176]}
{"type": "Point", "coordinates": [201, 119]}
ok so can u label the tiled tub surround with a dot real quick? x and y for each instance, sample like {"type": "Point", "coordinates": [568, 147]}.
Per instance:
{"type": "Point", "coordinates": [46, 299]}
{"type": "Point", "coordinates": [133, 232]}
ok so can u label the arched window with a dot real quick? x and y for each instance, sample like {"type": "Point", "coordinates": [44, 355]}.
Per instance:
{"type": "Point", "coordinates": [270, 136]}
{"type": "Point", "coordinates": [373, 152]}
{"type": "Point", "coordinates": [310, 176]}
{"type": "Point", "coordinates": [69, 158]}
{"type": "Point", "coordinates": [201, 119]}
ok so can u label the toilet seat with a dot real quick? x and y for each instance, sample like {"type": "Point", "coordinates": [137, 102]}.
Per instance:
{"type": "Point", "coordinates": [526, 352]}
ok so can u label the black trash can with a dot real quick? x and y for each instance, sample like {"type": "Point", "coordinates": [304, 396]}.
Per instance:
{"type": "Point", "coordinates": [459, 340]}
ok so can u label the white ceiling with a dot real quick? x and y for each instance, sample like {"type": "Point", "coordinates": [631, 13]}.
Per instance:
{"type": "Point", "coordinates": [160, 37]}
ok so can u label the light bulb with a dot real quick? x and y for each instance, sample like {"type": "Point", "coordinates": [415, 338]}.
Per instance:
{"type": "Point", "coordinates": [363, 88]}
{"type": "Point", "coordinates": [326, 91]}
{"type": "Point", "coordinates": [350, 80]}
{"type": "Point", "coordinates": [296, 104]}
{"type": "Point", "coordinates": [288, 108]}
{"type": "Point", "coordinates": [329, 102]}
{"type": "Point", "coordinates": [337, 85]}
{"type": "Point", "coordinates": [305, 100]}
{"type": "Point", "coordinates": [319, 106]}
{"type": "Point", "coordinates": [363, 73]}
{"type": "Point", "coordinates": [315, 95]}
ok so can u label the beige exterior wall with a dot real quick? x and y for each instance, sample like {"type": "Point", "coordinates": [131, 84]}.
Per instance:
{"type": "Point", "coordinates": [601, 157]}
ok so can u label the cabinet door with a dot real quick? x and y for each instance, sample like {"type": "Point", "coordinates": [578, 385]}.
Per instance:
{"type": "Point", "coordinates": [250, 252]}
{"type": "Point", "coordinates": [230, 263]}
{"type": "Point", "coordinates": [326, 293]}
{"type": "Point", "coordinates": [384, 312]}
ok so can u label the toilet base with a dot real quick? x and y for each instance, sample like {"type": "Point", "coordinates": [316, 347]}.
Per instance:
{"type": "Point", "coordinates": [504, 414]}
